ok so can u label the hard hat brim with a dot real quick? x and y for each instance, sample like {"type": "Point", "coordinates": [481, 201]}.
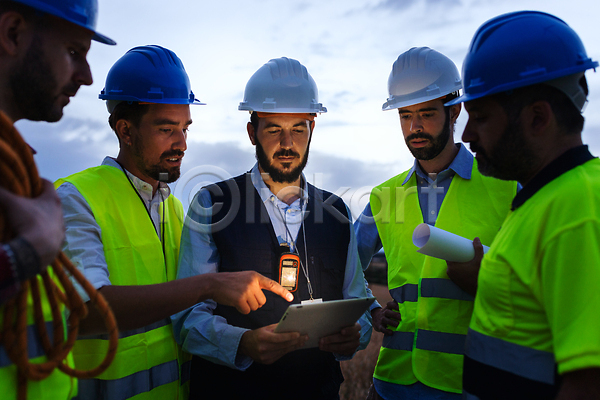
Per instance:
{"type": "Point", "coordinates": [589, 64]}
{"type": "Point", "coordinates": [103, 39]}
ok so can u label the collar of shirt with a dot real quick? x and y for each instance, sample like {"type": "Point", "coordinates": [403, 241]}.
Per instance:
{"type": "Point", "coordinates": [567, 161]}
{"type": "Point", "coordinates": [143, 188]}
{"type": "Point", "coordinates": [462, 165]}
{"type": "Point", "coordinates": [267, 196]}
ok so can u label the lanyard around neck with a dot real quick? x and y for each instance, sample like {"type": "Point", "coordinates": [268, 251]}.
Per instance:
{"type": "Point", "coordinates": [161, 223]}
{"type": "Point", "coordinates": [291, 239]}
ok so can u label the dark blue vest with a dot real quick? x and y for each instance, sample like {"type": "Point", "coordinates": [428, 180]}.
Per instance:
{"type": "Point", "coordinates": [246, 240]}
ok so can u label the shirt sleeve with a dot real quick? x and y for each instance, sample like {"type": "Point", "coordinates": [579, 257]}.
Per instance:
{"type": "Point", "coordinates": [570, 275]}
{"type": "Point", "coordinates": [367, 237]}
{"type": "Point", "coordinates": [83, 238]}
{"type": "Point", "coordinates": [197, 329]}
{"type": "Point", "coordinates": [355, 285]}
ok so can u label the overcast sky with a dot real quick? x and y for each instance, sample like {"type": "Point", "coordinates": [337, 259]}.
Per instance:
{"type": "Point", "coordinates": [348, 46]}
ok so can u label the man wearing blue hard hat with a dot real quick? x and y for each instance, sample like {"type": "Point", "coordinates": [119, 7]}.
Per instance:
{"type": "Point", "coordinates": [262, 221]}
{"type": "Point", "coordinates": [43, 50]}
{"type": "Point", "coordinates": [535, 332]}
{"type": "Point", "coordinates": [124, 227]}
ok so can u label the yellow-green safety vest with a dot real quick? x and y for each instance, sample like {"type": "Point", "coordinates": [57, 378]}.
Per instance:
{"type": "Point", "coordinates": [536, 315]}
{"type": "Point", "coordinates": [428, 344]}
{"type": "Point", "coordinates": [148, 360]}
{"type": "Point", "coordinates": [57, 385]}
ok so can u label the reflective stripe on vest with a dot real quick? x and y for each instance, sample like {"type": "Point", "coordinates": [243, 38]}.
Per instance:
{"type": "Point", "coordinates": [429, 342]}
{"type": "Point", "coordinates": [124, 334]}
{"type": "Point", "coordinates": [34, 344]}
{"type": "Point", "coordinates": [131, 385]}
{"type": "Point", "coordinates": [430, 287]}
{"type": "Point", "coordinates": [451, 343]}
{"type": "Point", "coordinates": [186, 369]}
{"type": "Point", "coordinates": [56, 386]}
{"type": "Point", "coordinates": [134, 256]}
{"type": "Point", "coordinates": [523, 361]}
{"type": "Point", "coordinates": [408, 292]}
{"type": "Point", "coordinates": [443, 289]}
{"type": "Point", "coordinates": [399, 341]}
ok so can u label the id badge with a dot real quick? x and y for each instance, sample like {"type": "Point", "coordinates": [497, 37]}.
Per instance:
{"type": "Point", "coordinates": [289, 265]}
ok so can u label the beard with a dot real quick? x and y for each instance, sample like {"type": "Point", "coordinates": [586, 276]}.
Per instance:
{"type": "Point", "coordinates": [35, 88]}
{"type": "Point", "coordinates": [279, 176]}
{"type": "Point", "coordinates": [436, 145]}
{"type": "Point", "coordinates": [510, 159]}
{"type": "Point", "coordinates": [154, 170]}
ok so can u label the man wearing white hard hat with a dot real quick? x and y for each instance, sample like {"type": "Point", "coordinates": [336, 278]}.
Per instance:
{"type": "Point", "coordinates": [425, 325]}
{"type": "Point", "coordinates": [249, 223]}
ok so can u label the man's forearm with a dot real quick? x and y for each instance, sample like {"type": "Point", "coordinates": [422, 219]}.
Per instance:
{"type": "Point", "coordinates": [582, 384]}
{"type": "Point", "coordinates": [138, 306]}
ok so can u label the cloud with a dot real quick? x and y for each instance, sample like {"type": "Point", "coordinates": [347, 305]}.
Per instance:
{"type": "Point", "coordinates": [347, 45]}
{"type": "Point", "coordinates": [68, 146]}
{"type": "Point", "coordinates": [395, 5]}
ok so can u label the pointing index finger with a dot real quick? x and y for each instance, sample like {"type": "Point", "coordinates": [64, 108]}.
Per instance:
{"type": "Point", "coordinates": [269, 284]}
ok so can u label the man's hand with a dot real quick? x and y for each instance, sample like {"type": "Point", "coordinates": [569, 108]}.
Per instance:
{"type": "Point", "coordinates": [265, 346]}
{"type": "Point", "coordinates": [39, 221]}
{"type": "Point", "coordinates": [345, 343]}
{"type": "Point", "coordinates": [384, 317]}
{"type": "Point", "coordinates": [465, 274]}
{"type": "Point", "coordinates": [243, 290]}
{"type": "Point", "coordinates": [580, 384]}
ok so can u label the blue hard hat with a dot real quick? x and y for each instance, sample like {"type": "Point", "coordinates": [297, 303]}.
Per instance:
{"type": "Point", "coordinates": [520, 49]}
{"type": "Point", "coordinates": [80, 12]}
{"type": "Point", "coordinates": [150, 74]}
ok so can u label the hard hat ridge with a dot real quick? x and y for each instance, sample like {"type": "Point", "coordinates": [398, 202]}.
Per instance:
{"type": "Point", "coordinates": [282, 85]}
{"type": "Point", "coordinates": [418, 75]}
{"type": "Point", "coordinates": [284, 67]}
{"type": "Point", "coordinates": [150, 74]}
{"type": "Point", "coordinates": [520, 49]}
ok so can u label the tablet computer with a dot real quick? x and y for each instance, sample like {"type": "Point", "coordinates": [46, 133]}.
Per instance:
{"type": "Point", "coordinates": [322, 319]}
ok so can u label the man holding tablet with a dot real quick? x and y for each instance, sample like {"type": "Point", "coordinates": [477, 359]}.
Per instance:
{"type": "Point", "coordinates": [272, 221]}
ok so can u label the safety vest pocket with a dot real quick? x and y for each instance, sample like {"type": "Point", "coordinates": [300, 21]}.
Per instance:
{"type": "Point", "coordinates": [497, 315]}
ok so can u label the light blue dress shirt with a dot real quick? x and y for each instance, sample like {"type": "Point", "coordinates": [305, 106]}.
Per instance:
{"type": "Point", "coordinates": [210, 336]}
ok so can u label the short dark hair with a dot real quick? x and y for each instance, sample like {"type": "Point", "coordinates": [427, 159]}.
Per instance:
{"type": "Point", "coordinates": [6, 5]}
{"type": "Point", "coordinates": [254, 120]}
{"type": "Point", "coordinates": [450, 97]}
{"type": "Point", "coordinates": [568, 117]}
{"type": "Point", "coordinates": [130, 111]}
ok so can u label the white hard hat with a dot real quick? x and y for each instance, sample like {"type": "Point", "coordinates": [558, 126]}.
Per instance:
{"type": "Point", "coordinates": [419, 75]}
{"type": "Point", "coordinates": [282, 85]}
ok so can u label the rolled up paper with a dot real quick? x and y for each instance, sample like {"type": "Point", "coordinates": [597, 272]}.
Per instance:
{"type": "Point", "coordinates": [439, 243]}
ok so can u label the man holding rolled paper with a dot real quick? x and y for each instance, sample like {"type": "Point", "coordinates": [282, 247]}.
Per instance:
{"type": "Point", "coordinates": [534, 333]}
{"type": "Point", "coordinates": [426, 324]}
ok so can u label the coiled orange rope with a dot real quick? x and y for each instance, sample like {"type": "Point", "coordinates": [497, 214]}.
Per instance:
{"type": "Point", "coordinates": [18, 173]}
